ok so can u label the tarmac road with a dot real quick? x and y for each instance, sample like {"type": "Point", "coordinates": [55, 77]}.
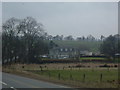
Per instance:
{"type": "Point", "coordinates": [16, 82]}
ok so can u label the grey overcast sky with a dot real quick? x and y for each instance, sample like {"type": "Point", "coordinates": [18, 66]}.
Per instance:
{"type": "Point", "coordinates": [68, 18]}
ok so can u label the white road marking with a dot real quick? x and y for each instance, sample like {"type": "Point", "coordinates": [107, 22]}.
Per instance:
{"type": "Point", "coordinates": [6, 85]}
{"type": "Point", "coordinates": [3, 83]}
{"type": "Point", "coordinates": [13, 88]}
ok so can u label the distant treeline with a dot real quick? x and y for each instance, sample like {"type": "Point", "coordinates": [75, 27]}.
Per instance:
{"type": "Point", "coordinates": [111, 46]}
{"type": "Point", "coordinates": [24, 41]}
{"type": "Point", "coordinates": [71, 38]}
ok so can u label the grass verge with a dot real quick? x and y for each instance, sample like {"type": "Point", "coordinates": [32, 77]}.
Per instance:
{"type": "Point", "coordinates": [73, 78]}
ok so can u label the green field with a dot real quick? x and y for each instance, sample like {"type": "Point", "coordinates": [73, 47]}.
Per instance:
{"type": "Point", "coordinates": [83, 77]}
{"type": "Point", "coordinates": [92, 58]}
{"type": "Point", "coordinates": [78, 75]}
{"type": "Point", "coordinates": [85, 58]}
{"type": "Point", "coordinates": [90, 45]}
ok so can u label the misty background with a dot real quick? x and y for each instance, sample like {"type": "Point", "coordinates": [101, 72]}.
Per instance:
{"type": "Point", "coordinates": [68, 18]}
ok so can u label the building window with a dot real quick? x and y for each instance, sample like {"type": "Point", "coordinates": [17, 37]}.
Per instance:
{"type": "Point", "coordinates": [61, 49]}
{"type": "Point", "coordinates": [70, 49]}
{"type": "Point", "coordinates": [66, 49]}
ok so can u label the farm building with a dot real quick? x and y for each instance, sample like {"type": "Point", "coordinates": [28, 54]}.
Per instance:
{"type": "Point", "coordinates": [66, 52]}
{"type": "Point", "coordinates": [71, 49]}
{"type": "Point", "coordinates": [62, 52]}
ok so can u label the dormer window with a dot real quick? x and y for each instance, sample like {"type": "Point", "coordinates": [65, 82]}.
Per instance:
{"type": "Point", "coordinates": [61, 49]}
{"type": "Point", "coordinates": [70, 49]}
{"type": "Point", "coordinates": [66, 49]}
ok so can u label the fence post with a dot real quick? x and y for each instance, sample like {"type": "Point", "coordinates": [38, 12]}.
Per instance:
{"type": "Point", "coordinates": [63, 68]}
{"type": "Point", "coordinates": [84, 77]}
{"type": "Point", "coordinates": [108, 69]}
{"type": "Point", "coordinates": [59, 76]}
{"type": "Point", "coordinates": [49, 75]}
{"type": "Point", "coordinates": [71, 77]}
{"type": "Point", "coordinates": [47, 68]}
{"type": "Point", "coordinates": [92, 69]}
{"type": "Point", "coordinates": [22, 67]}
{"type": "Point", "coordinates": [101, 77]}
{"type": "Point", "coordinates": [41, 68]}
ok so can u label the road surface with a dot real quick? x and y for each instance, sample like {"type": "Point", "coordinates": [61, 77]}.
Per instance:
{"type": "Point", "coordinates": [15, 82]}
